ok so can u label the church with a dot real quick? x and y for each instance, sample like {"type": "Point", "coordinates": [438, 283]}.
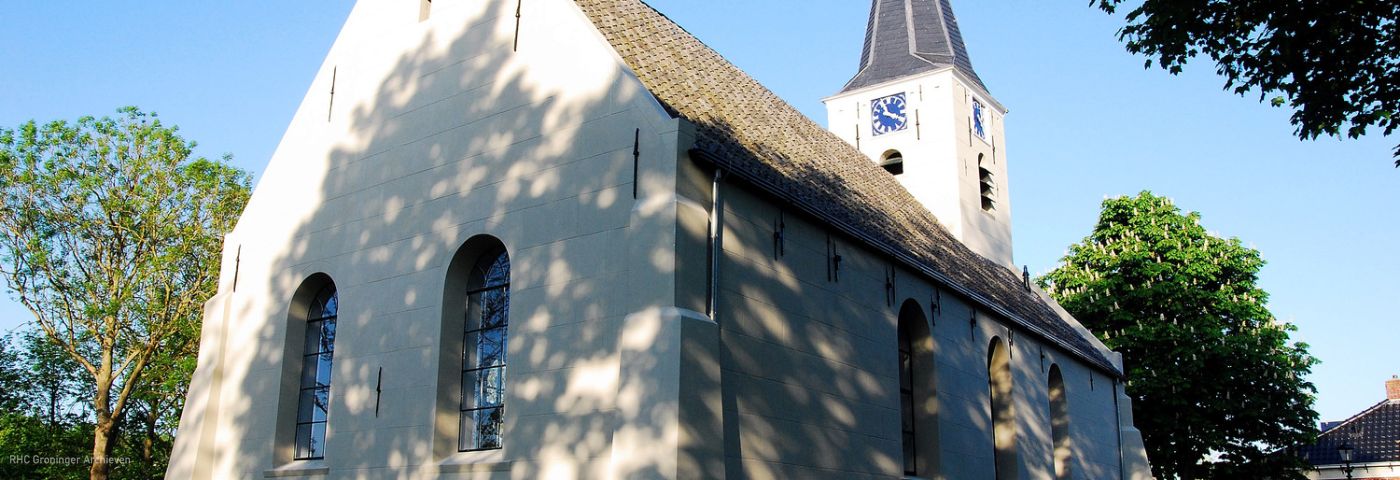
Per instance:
{"type": "Point", "coordinates": [565, 239]}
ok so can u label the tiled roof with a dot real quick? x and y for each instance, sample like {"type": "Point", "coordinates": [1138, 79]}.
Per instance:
{"type": "Point", "coordinates": [905, 37]}
{"type": "Point", "coordinates": [1374, 434]}
{"type": "Point", "coordinates": [752, 134]}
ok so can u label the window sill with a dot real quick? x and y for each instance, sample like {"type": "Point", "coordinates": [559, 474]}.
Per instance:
{"type": "Point", "coordinates": [477, 461]}
{"type": "Point", "coordinates": [299, 468]}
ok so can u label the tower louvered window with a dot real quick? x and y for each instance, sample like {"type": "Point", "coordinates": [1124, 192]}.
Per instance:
{"type": "Point", "coordinates": [987, 185]}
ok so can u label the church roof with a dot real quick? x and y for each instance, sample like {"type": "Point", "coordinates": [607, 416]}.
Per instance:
{"type": "Point", "coordinates": [753, 135]}
{"type": "Point", "coordinates": [905, 37]}
{"type": "Point", "coordinates": [1374, 434]}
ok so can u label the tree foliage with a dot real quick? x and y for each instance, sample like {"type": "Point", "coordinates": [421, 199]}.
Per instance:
{"type": "Point", "coordinates": [53, 383]}
{"type": "Point", "coordinates": [44, 432]}
{"type": "Point", "coordinates": [46, 418]}
{"type": "Point", "coordinates": [1336, 64]}
{"type": "Point", "coordinates": [1218, 388]}
{"type": "Point", "coordinates": [11, 377]}
{"type": "Point", "coordinates": [31, 448]}
{"type": "Point", "coordinates": [110, 234]}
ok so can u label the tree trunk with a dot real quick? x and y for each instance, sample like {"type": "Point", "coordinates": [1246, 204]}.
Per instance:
{"type": "Point", "coordinates": [106, 423]}
{"type": "Point", "coordinates": [101, 445]}
{"type": "Point", "coordinates": [148, 443]}
{"type": "Point", "coordinates": [53, 410]}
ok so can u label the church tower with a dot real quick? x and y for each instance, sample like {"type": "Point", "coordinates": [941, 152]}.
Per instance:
{"type": "Point", "coordinates": [918, 109]}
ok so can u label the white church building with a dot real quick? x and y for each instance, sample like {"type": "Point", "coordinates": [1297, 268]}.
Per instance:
{"type": "Point", "coordinates": [564, 239]}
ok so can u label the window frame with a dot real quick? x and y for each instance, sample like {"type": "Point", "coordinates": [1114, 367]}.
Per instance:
{"type": "Point", "coordinates": [909, 437]}
{"type": "Point", "coordinates": [919, 454]}
{"type": "Point", "coordinates": [1061, 441]}
{"type": "Point", "coordinates": [1001, 402]}
{"type": "Point", "coordinates": [320, 326]}
{"type": "Point", "coordinates": [479, 283]}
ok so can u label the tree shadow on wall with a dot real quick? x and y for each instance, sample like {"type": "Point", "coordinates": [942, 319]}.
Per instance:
{"type": "Point", "coordinates": [456, 140]}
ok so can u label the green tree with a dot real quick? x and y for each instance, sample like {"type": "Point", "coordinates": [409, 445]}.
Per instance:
{"type": "Point", "coordinates": [42, 435]}
{"type": "Point", "coordinates": [54, 383]}
{"type": "Point", "coordinates": [1218, 389]}
{"type": "Point", "coordinates": [11, 377]}
{"type": "Point", "coordinates": [148, 432]}
{"type": "Point", "coordinates": [1336, 64]}
{"type": "Point", "coordinates": [110, 235]}
{"type": "Point", "coordinates": [31, 449]}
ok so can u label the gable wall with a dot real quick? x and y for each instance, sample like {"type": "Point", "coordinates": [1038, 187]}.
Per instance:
{"type": "Point", "coordinates": [810, 364]}
{"type": "Point", "coordinates": [438, 131]}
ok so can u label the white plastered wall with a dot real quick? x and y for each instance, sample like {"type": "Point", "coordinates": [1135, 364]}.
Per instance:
{"type": "Point", "coordinates": [438, 131]}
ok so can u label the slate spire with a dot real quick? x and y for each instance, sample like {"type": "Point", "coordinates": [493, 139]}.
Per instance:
{"type": "Point", "coordinates": [905, 37]}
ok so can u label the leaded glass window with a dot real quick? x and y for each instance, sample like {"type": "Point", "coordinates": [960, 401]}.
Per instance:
{"type": "Point", "coordinates": [484, 354]}
{"type": "Point", "coordinates": [313, 401]}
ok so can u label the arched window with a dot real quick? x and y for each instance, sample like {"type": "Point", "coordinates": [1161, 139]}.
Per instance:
{"type": "Point", "coordinates": [906, 402]}
{"type": "Point", "coordinates": [484, 352]}
{"type": "Point", "coordinates": [1003, 410]}
{"type": "Point", "coordinates": [316, 316]}
{"type": "Point", "coordinates": [1059, 424]}
{"type": "Point", "coordinates": [893, 162]}
{"type": "Point", "coordinates": [918, 401]}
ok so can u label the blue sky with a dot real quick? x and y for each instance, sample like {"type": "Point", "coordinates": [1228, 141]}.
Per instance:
{"type": "Point", "coordinates": [1086, 121]}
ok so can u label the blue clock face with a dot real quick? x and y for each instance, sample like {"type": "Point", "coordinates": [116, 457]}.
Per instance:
{"type": "Point", "coordinates": [888, 114]}
{"type": "Point", "coordinates": [977, 120]}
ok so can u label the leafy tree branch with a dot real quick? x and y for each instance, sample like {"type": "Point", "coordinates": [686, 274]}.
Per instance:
{"type": "Point", "coordinates": [1336, 64]}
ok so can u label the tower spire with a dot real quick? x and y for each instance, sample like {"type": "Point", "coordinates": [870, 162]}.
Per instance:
{"type": "Point", "coordinates": [906, 37]}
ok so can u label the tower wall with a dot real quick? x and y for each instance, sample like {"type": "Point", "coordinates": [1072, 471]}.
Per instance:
{"type": "Point", "coordinates": [940, 151]}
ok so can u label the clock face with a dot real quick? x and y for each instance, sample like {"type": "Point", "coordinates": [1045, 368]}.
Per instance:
{"type": "Point", "coordinates": [888, 114]}
{"type": "Point", "coordinates": [977, 127]}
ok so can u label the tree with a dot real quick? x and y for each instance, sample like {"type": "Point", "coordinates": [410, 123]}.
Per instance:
{"type": "Point", "coordinates": [42, 422]}
{"type": "Point", "coordinates": [53, 383]}
{"type": "Point", "coordinates": [149, 429]}
{"type": "Point", "coordinates": [1218, 388]}
{"type": "Point", "coordinates": [11, 377]}
{"type": "Point", "coordinates": [109, 236]}
{"type": "Point", "coordinates": [1334, 64]}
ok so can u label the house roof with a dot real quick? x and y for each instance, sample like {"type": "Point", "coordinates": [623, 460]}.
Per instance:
{"type": "Point", "coordinates": [1374, 434]}
{"type": "Point", "coordinates": [905, 37]}
{"type": "Point", "coordinates": [753, 135]}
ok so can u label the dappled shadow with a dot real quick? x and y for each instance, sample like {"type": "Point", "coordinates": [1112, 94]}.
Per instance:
{"type": "Point", "coordinates": [438, 132]}
{"type": "Point", "coordinates": [417, 138]}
